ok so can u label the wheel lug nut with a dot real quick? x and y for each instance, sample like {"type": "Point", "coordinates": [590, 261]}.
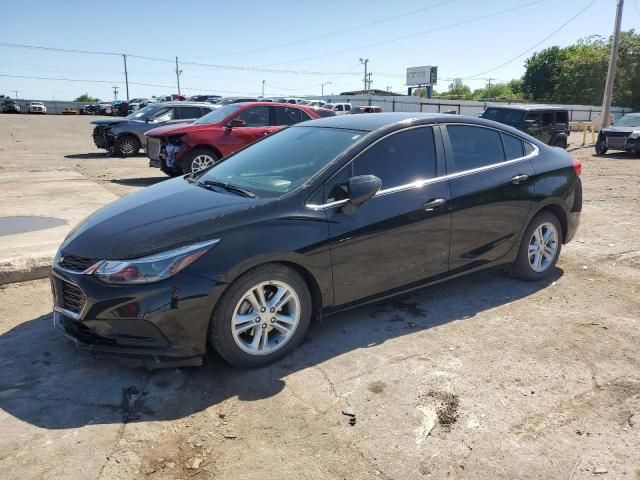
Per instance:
{"type": "Point", "coordinates": [264, 325]}
{"type": "Point", "coordinates": [272, 310]}
{"type": "Point", "coordinates": [262, 309]}
{"type": "Point", "coordinates": [257, 319]}
{"type": "Point", "coordinates": [273, 320]}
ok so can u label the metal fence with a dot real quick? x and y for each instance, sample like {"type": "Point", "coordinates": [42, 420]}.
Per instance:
{"type": "Point", "coordinates": [54, 107]}
{"type": "Point", "coordinates": [460, 107]}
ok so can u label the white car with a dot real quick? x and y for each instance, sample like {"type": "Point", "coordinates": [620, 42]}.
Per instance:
{"type": "Point", "coordinates": [339, 108]}
{"type": "Point", "coordinates": [316, 103]}
{"type": "Point", "coordinates": [36, 107]}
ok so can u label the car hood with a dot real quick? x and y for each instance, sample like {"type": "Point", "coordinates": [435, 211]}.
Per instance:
{"type": "Point", "coordinates": [621, 129]}
{"type": "Point", "coordinates": [161, 217]}
{"type": "Point", "coordinates": [105, 122]}
{"type": "Point", "coordinates": [176, 128]}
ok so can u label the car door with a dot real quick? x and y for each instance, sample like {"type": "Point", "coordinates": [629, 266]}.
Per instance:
{"type": "Point", "coordinates": [532, 124]}
{"type": "Point", "coordinates": [546, 129]}
{"type": "Point", "coordinates": [491, 193]}
{"type": "Point", "coordinates": [285, 116]}
{"type": "Point", "coordinates": [257, 124]}
{"type": "Point", "coordinates": [401, 235]}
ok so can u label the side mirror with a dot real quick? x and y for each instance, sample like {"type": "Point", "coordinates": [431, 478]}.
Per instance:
{"type": "Point", "coordinates": [235, 123]}
{"type": "Point", "coordinates": [361, 189]}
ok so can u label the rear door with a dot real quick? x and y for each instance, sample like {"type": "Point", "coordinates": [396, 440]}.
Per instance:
{"type": "Point", "coordinates": [401, 235]}
{"type": "Point", "coordinates": [492, 193]}
{"type": "Point", "coordinates": [257, 125]}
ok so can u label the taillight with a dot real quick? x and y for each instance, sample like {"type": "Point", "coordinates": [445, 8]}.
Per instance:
{"type": "Point", "coordinates": [577, 166]}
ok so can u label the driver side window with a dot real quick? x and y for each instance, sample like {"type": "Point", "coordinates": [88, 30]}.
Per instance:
{"type": "Point", "coordinates": [255, 117]}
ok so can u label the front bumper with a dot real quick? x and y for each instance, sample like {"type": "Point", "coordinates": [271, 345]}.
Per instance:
{"type": "Point", "coordinates": [621, 141]}
{"type": "Point", "coordinates": [162, 324]}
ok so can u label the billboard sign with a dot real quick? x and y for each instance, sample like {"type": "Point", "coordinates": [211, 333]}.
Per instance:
{"type": "Point", "coordinates": [422, 76]}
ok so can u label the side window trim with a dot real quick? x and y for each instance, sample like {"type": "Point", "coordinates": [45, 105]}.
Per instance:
{"type": "Point", "coordinates": [449, 152]}
{"type": "Point", "coordinates": [440, 169]}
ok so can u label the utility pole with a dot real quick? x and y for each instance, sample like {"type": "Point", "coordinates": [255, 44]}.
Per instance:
{"type": "Point", "coordinates": [126, 75]}
{"type": "Point", "coordinates": [611, 73]}
{"type": "Point", "coordinates": [322, 88]}
{"type": "Point", "coordinates": [369, 82]}
{"type": "Point", "coordinates": [16, 92]}
{"type": "Point", "coordinates": [365, 61]}
{"type": "Point", "coordinates": [178, 73]}
{"type": "Point", "coordinates": [262, 89]}
{"type": "Point", "coordinates": [115, 93]}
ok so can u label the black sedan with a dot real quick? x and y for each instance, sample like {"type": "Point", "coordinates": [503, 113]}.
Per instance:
{"type": "Point", "coordinates": [622, 135]}
{"type": "Point", "coordinates": [322, 216]}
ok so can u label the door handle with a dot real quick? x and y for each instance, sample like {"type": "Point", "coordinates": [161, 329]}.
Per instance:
{"type": "Point", "coordinates": [431, 205]}
{"type": "Point", "coordinates": [518, 179]}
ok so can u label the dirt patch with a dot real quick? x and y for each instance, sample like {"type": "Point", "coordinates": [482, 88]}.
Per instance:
{"type": "Point", "coordinates": [447, 407]}
{"type": "Point", "coordinates": [377, 386]}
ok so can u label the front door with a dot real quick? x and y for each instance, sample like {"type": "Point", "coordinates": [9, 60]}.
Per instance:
{"type": "Point", "coordinates": [401, 235]}
{"type": "Point", "coordinates": [491, 190]}
{"type": "Point", "coordinates": [256, 125]}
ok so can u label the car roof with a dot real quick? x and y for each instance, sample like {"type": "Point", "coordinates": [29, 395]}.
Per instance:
{"type": "Point", "coordinates": [527, 107]}
{"type": "Point", "coordinates": [179, 103]}
{"type": "Point", "coordinates": [369, 123]}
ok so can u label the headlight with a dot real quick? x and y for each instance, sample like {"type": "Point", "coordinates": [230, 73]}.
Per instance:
{"type": "Point", "coordinates": [154, 267]}
{"type": "Point", "coordinates": [635, 134]}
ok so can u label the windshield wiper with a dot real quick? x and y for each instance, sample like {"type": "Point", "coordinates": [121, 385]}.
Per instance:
{"type": "Point", "coordinates": [229, 187]}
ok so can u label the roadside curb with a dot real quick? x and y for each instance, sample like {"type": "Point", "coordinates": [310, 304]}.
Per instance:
{"type": "Point", "coordinates": [24, 270]}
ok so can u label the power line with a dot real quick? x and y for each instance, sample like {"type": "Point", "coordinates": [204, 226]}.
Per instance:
{"type": "Point", "coordinates": [331, 34]}
{"type": "Point", "coordinates": [536, 44]}
{"type": "Point", "coordinates": [404, 37]}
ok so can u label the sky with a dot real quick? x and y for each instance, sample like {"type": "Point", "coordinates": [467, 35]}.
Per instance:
{"type": "Point", "coordinates": [293, 46]}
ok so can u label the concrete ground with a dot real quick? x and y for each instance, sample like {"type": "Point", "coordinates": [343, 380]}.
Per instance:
{"type": "Point", "coordinates": [481, 377]}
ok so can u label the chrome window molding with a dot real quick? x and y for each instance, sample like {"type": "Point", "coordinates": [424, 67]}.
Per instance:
{"type": "Point", "coordinates": [422, 183]}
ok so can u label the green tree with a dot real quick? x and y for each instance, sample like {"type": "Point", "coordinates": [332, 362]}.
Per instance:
{"type": "Point", "coordinates": [541, 75]}
{"type": "Point", "coordinates": [459, 89]}
{"type": "Point", "coordinates": [86, 98]}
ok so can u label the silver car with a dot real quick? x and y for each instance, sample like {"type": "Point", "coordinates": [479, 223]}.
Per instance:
{"type": "Point", "coordinates": [125, 136]}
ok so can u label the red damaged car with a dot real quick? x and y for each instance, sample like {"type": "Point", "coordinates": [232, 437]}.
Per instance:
{"type": "Point", "coordinates": [191, 147]}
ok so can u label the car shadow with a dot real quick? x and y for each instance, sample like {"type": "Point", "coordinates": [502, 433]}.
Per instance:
{"type": "Point", "coordinates": [620, 155]}
{"type": "Point", "coordinates": [45, 381]}
{"type": "Point", "coordinates": [87, 156]}
{"type": "Point", "coordinates": [139, 181]}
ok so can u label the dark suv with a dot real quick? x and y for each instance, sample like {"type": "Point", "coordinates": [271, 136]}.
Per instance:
{"type": "Point", "coordinates": [548, 124]}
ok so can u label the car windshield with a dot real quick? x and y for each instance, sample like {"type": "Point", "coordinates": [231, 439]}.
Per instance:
{"type": "Point", "coordinates": [143, 113]}
{"type": "Point", "coordinates": [283, 161]}
{"type": "Point", "coordinates": [628, 121]}
{"type": "Point", "coordinates": [219, 114]}
{"type": "Point", "coordinates": [513, 118]}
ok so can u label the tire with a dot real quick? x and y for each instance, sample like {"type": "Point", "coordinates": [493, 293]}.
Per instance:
{"type": "Point", "coordinates": [526, 266]}
{"type": "Point", "coordinates": [127, 146]}
{"type": "Point", "coordinates": [170, 172]}
{"type": "Point", "coordinates": [199, 159]}
{"type": "Point", "coordinates": [560, 142]}
{"type": "Point", "coordinates": [236, 308]}
{"type": "Point", "coordinates": [601, 147]}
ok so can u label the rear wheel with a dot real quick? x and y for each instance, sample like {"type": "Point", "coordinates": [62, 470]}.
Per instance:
{"type": "Point", "coordinates": [540, 248]}
{"type": "Point", "coordinates": [560, 142]}
{"type": "Point", "coordinates": [262, 316]}
{"type": "Point", "coordinates": [127, 146]}
{"type": "Point", "coordinates": [200, 159]}
{"type": "Point", "coordinates": [601, 146]}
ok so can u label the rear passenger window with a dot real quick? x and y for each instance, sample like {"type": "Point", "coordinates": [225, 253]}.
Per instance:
{"type": "Point", "coordinates": [528, 148]}
{"type": "Point", "coordinates": [400, 159]}
{"type": "Point", "coordinates": [190, 112]}
{"type": "Point", "coordinates": [287, 116]}
{"type": "Point", "coordinates": [474, 147]}
{"type": "Point", "coordinates": [512, 147]}
{"type": "Point", "coordinates": [562, 117]}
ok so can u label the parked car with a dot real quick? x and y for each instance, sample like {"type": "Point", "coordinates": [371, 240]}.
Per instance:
{"type": "Point", "coordinates": [321, 216]}
{"type": "Point", "coordinates": [295, 101]}
{"type": "Point", "coordinates": [105, 108]}
{"type": "Point", "coordinates": [136, 103]}
{"type": "Point", "coordinates": [365, 109]}
{"type": "Point", "coordinates": [89, 110]}
{"type": "Point", "coordinates": [10, 106]}
{"type": "Point", "coordinates": [171, 98]}
{"type": "Point", "coordinates": [339, 108]}
{"type": "Point", "coordinates": [70, 111]}
{"type": "Point", "coordinates": [323, 112]}
{"type": "Point", "coordinates": [125, 136]}
{"type": "Point", "coordinates": [622, 135]}
{"type": "Point", "coordinates": [316, 103]}
{"type": "Point", "coordinates": [194, 147]}
{"type": "Point", "coordinates": [36, 107]}
{"type": "Point", "coordinates": [548, 124]}
{"type": "Point", "coordinates": [204, 98]}
{"type": "Point", "coordinates": [228, 100]}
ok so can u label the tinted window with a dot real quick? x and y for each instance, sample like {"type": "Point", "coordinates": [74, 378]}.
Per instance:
{"type": "Point", "coordinates": [338, 108]}
{"type": "Point", "coordinates": [474, 147]}
{"type": "Point", "coordinates": [547, 118]}
{"type": "Point", "coordinates": [218, 115]}
{"type": "Point", "coordinates": [512, 146]}
{"type": "Point", "coordinates": [532, 120]}
{"type": "Point", "coordinates": [255, 117]}
{"type": "Point", "coordinates": [400, 159]}
{"type": "Point", "coordinates": [562, 117]}
{"type": "Point", "coordinates": [190, 112]}
{"type": "Point", "coordinates": [287, 116]}
{"type": "Point", "coordinates": [347, 107]}
{"type": "Point", "coordinates": [504, 115]}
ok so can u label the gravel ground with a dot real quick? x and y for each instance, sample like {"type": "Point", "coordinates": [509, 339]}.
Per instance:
{"type": "Point", "coordinates": [481, 377]}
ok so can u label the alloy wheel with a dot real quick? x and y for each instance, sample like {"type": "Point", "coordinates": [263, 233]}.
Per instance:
{"type": "Point", "coordinates": [543, 247]}
{"type": "Point", "coordinates": [266, 317]}
{"type": "Point", "coordinates": [127, 147]}
{"type": "Point", "coordinates": [202, 162]}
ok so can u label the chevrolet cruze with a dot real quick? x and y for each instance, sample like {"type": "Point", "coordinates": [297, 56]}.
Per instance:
{"type": "Point", "coordinates": [318, 217]}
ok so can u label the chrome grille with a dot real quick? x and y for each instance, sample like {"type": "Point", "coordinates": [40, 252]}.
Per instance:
{"type": "Point", "coordinates": [75, 263]}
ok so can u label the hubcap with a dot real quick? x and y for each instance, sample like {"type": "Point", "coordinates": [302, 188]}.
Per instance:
{"type": "Point", "coordinates": [201, 162]}
{"type": "Point", "coordinates": [127, 147]}
{"type": "Point", "coordinates": [266, 317]}
{"type": "Point", "coordinates": [543, 247]}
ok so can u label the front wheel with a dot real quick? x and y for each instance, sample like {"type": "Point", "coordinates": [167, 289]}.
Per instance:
{"type": "Point", "coordinates": [540, 248]}
{"type": "Point", "coordinates": [127, 146]}
{"type": "Point", "coordinates": [601, 146]}
{"type": "Point", "coordinates": [262, 316]}
{"type": "Point", "coordinates": [200, 159]}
